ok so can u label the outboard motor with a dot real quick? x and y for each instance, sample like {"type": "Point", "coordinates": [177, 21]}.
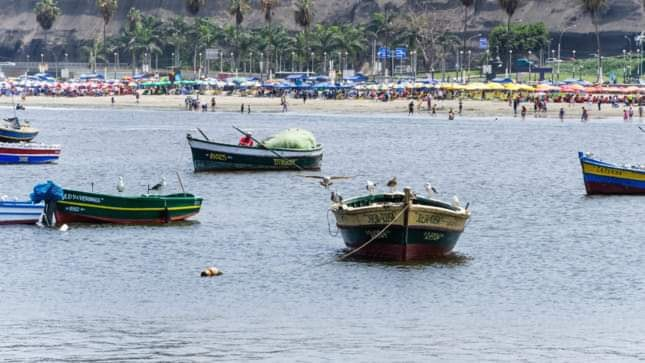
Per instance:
{"type": "Point", "coordinates": [50, 193]}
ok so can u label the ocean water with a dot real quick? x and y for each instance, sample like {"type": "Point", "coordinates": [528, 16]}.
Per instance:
{"type": "Point", "coordinates": [542, 272]}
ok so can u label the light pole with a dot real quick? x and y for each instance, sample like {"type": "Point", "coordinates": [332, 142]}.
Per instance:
{"type": "Point", "coordinates": [468, 41]}
{"type": "Point", "coordinates": [630, 42]}
{"type": "Point", "coordinates": [114, 64]}
{"type": "Point", "coordinates": [575, 63]}
{"type": "Point", "coordinates": [640, 63]}
{"type": "Point", "coordinates": [346, 60]}
{"type": "Point", "coordinates": [312, 62]}
{"type": "Point", "coordinates": [553, 60]}
{"type": "Point", "coordinates": [624, 66]}
{"type": "Point", "coordinates": [232, 62]}
{"type": "Point", "coordinates": [200, 65]}
{"type": "Point", "coordinates": [468, 72]}
{"type": "Point", "coordinates": [293, 61]}
{"type": "Point", "coordinates": [560, 46]}
{"type": "Point", "coordinates": [325, 63]}
{"type": "Point", "coordinates": [460, 75]}
{"type": "Point", "coordinates": [530, 53]}
{"type": "Point", "coordinates": [509, 69]}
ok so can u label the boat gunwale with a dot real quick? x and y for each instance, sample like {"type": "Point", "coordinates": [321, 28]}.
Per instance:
{"type": "Point", "coordinates": [319, 147]}
{"type": "Point", "coordinates": [142, 197]}
{"type": "Point", "coordinates": [586, 160]}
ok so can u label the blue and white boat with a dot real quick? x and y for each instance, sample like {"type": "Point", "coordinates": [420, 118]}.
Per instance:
{"type": "Point", "coordinates": [19, 212]}
{"type": "Point", "coordinates": [14, 130]}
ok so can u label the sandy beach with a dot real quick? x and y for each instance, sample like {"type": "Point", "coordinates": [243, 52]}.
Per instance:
{"type": "Point", "coordinates": [471, 108]}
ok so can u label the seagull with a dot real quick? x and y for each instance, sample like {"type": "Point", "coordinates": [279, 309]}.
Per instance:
{"type": "Point", "coordinates": [455, 202]}
{"type": "Point", "coordinates": [392, 184]}
{"type": "Point", "coordinates": [430, 190]}
{"type": "Point", "coordinates": [159, 185]}
{"type": "Point", "coordinates": [336, 198]}
{"type": "Point", "coordinates": [120, 185]}
{"type": "Point", "coordinates": [370, 187]}
{"type": "Point", "coordinates": [325, 181]}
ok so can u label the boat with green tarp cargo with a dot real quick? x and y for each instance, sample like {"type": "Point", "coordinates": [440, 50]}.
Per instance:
{"type": "Point", "coordinates": [399, 226]}
{"type": "Point", "coordinates": [73, 206]}
{"type": "Point", "coordinates": [292, 149]}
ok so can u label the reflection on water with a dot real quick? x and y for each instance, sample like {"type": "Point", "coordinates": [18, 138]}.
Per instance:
{"type": "Point", "coordinates": [541, 272]}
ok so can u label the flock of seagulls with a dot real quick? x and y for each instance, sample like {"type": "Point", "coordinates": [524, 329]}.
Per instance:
{"type": "Point", "coordinates": [120, 185]}
{"type": "Point", "coordinates": [327, 181]}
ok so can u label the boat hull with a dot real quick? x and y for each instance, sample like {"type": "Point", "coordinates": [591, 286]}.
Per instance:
{"type": "Point", "coordinates": [210, 156]}
{"type": "Point", "coordinates": [81, 207]}
{"type": "Point", "coordinates": [605, 178]}
{"type": "Point", "coordinates": [28, 153]}
{"type": "Point", "coordinates": [422, 244]}
{"type": "Point", "coordinates": [19, 212]}
{"type": "Point", "coordinates": [419, 232]}
{"type": "Point", "coordinates": [7, 135]}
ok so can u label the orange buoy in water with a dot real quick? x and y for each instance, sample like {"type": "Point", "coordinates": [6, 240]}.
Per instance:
{"type": "Point", "coordinates": [210, 272]}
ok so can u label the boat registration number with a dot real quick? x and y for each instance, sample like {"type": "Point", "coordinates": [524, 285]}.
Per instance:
{"type": "Point", "coordinates": [217, 156]}
{"type": "Point", "coordinates": [284, 162]}
{"type": "Point", "coordinates": [432, 236]}
{"type": "Point", "coordinates": [380, 218]}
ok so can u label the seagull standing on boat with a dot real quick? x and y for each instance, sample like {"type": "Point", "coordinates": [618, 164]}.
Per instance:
{"type": "Point", "coordinates": [371, 187]}
{"type": "Point", "coordinates": [336, 198]}
{"type": "Point", "coordinates": [159, 185]}
{"type": "Point", "coordinates": [430, 190]}
{"type": "Point", "coordinates": [455, 202]}
{"type": "Point", "coordinates": [120, 185]}
{"type": "Point", "coordinates": [392, 184]}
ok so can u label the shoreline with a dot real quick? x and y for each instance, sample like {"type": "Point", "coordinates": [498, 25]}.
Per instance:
{"type": "Point", "coordinates": [471, 108]}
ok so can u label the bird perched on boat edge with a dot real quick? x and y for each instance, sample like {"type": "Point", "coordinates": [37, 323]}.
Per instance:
{"type": "Point", "coordinates": [159, 185]}
{"type": "Point", "coordinates": [120, 185]}
{"type": "Point", "coordinates": [392, 183]}
{"type": "Point", "coordinates": [336, 198]}
{"type": "Point", "coordinates": [325, 181]}
{"type": "Point", "coordinates": [371, 187]}
{"type": "Point", "coordinates": [430, 189]}
{"type": "Point", "coordinates": [455, 202]}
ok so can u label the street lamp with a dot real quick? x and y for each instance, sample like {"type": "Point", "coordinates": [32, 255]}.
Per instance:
{"type": "Point", "coordinates": [114, 54]}
{"type": "Point", "coordinates": [172, 55]}
{"type": "Point", "coordinates": [575, 63]}
{"type": "Point", "coordinates": [640, 63]}
{"type": "Point", "coordinates": [42, 59]}
{"type": "Point", "coordinates": [325, 63]}
{"type": "Point", "coordinates": [510, 59]}
{"type": "Point", "coordinates": [468, 72]}
{"type": "Point", "coordinates": [460, 66]}
{"type": "Point", "coordinates": [251, 62]}
{"type": "Point", "coordinates": [630, 42]}
{"type": "Point", "coordinates": [293, 58]}
{"type": "Point", "coordinates": [560, 46]}
{"type": "Point", "coordinates": [232, 62]}
{"type": "Point", "coordinates": [530, 53]}
{"type": "Point", "coordinates": [312, 62]}
{"type": "Point", "coordinates": [624, 66]}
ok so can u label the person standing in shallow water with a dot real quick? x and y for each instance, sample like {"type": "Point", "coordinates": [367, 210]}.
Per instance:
{"type": "Point", "coordinates": [585, 115]}
{"type": "Point", "coordinates": [242, 108]}
{"type": "Point", "coordinates": [411, 108]}
{"type": "Point", "coordinates": [461, 105]}
{"type": "Point", "coordinates": [561, 114]}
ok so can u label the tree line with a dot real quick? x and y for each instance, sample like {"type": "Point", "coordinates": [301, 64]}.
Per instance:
{"type": "Point", "coordinates": [179, 41]}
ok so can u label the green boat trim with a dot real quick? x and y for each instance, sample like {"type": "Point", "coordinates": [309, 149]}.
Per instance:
{"type": "Point", "coordinates": [78, 204]}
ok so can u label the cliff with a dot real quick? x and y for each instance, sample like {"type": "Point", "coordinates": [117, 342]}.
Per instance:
{"type": "Point", "coordinates": [80, 22]}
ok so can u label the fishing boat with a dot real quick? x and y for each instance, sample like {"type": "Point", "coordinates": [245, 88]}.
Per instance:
{"type": "Point", "coordinates": [213, 156]}
{"type": "Point", "coordinates": [73, 206]}
{"type": "Point", "coordinates": [605, 178]}
{"type": "Point", "coordinates": [14, 130]}
{"type": "Point", "coordinates": [19, 212]}
{"type": "Point", "coordinates": [399, 226]}
{"type": "Point", "coordinates": [28, 153]}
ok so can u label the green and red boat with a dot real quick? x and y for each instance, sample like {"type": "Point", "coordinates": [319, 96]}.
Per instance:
{"type": "Point", "coordinates": [399, 226]}
{"type": "Point", "coordinates": [83, 207]}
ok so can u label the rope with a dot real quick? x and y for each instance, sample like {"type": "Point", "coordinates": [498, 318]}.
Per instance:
{"type": "Point", "coordinates": [375, 237]}
{"type": "Point", "coordinates": [333, 234]}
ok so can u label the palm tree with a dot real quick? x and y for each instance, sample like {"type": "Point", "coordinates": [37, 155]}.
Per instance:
{"type": "Point", "coordinates": [267, 8]}
{"type": "Point", "coordinates": [107, 9]}
{"type": "Point", "coordinates": [595, 8]}
{"type": "Point", "coordinates": [193, 6]}
{"type": "Point", "coordinates": [238, 8]}
{"type": "Point", "coordinates": [304, 16]}
{"type": "Point", "coordinates": [46, 13]}
{"type": "Point", "coordinates": [509, 7]}
{"type": "Point", "coordinates": [467, 4]}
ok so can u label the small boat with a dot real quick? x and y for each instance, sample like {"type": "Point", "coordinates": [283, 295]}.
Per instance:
{"type": "Point", "coordinates": [14, 130]}
{"type": "Point", "coordinates": [606, 178]}
{"type": "Point", "coordinates": [19, 212]}
{"type": "Point", "coordinates": [214, 156]}
{"type": "Point", "coordinates": [73, 206]}
{"type": "Point", "coordinates": [411, 227]}
{"type": "Point", "coordinates": [28, 153]}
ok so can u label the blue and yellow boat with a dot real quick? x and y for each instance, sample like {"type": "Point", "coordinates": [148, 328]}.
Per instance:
{"type": "Point", "coordinates": [14, 130]}
{"type": "Point", "coordinates": [606, 178]}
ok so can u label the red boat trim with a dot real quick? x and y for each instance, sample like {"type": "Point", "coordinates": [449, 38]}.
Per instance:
{"type": "Point", "coordinates": [62, 217]}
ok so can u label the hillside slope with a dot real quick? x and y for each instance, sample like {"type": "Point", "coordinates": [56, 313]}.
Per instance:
{"type": "Point", "coordinates": [81, 21]}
